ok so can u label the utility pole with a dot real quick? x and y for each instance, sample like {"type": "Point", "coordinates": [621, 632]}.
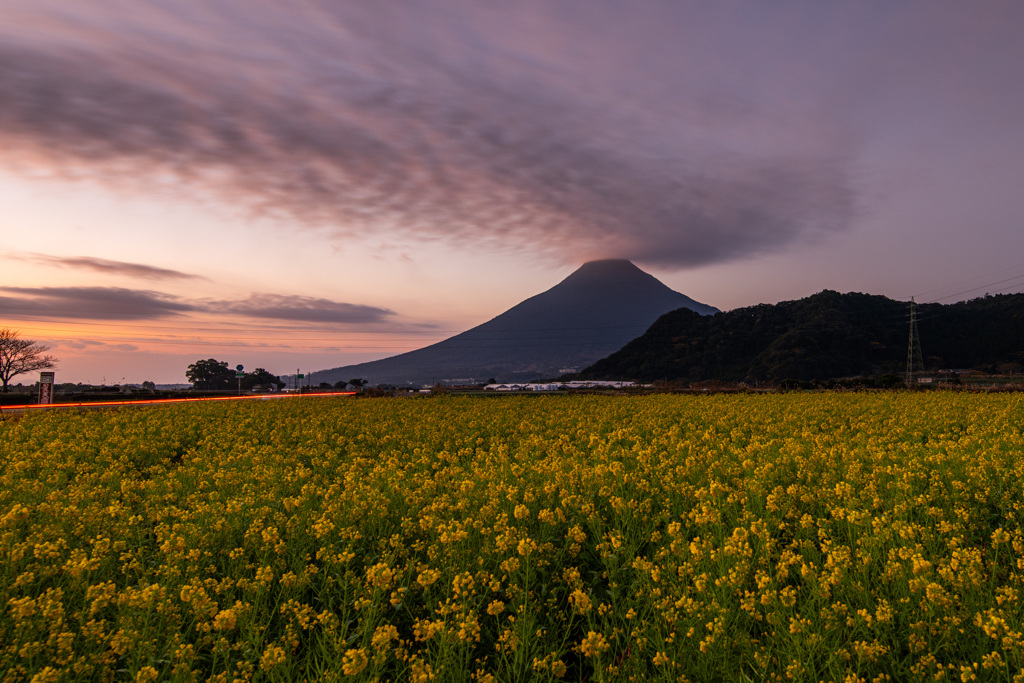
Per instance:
{"type": "Point", "coordinates": [914, 357]}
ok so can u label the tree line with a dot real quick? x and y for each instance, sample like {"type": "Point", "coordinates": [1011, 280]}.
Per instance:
{"type": "Point", "coordinates": [215, 375]}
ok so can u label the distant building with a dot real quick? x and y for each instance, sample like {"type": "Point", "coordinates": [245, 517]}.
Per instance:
{"type": "Point", "coordinates": [600, 384]}
{"type": "Point", "coordinates": [559, 386]}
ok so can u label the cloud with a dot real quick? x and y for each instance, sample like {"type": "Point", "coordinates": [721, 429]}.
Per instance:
{"type": "Point", "coordinates": [301, 309]}
{"type": "Point", "coordinates": [93, 345]}
{"type": "Point", "coordinates": [672, 133]}
{"type": "Point", "coordinates": [135, 270]}
{"type": "Point", "coordinates": [91, 303]}
{"type": "Point", "coordinates": [442, 121]}
{"type": "Point", "coordinates": [79, 344]}
{"type": "Point", "coordinates": [116, 303]}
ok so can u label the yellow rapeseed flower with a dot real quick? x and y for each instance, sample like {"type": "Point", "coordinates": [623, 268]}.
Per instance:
{"type": "Point", "coordinates": [580, 601]}
{"type": "Point", "coordinates": [421, 671]}
{"type": "Point", "coordinates": [146, 674]}
{"type": "Point", "coordinates": [273, 655]}
{"type": "Point", "coordinates": [354, 661]}
{"type": "Point", "coordinates": [593, 645]}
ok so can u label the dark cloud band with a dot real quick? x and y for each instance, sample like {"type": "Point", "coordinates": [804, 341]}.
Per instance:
{"type": "Point", "coordinates": [90, 303]}
{"type": "Point", "coordinates": [302, 309]}
{"type": "Point", "coordinates": [438, 126]}
{"type": "Point", "coordinates": [115, 303]}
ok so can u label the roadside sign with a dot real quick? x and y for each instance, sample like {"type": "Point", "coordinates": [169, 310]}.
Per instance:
{"type": "Point", "coordinates": [239, 375]}
{"type": "Point", "coordinates": [301, 375]}
{"type": "Point", "coordinates": [239, 367]}
{"type": "Point", "coordinates": [45, 387]}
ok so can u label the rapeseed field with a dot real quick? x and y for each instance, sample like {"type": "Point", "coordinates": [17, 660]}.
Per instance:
{"type": "Point", "coordinates": [805, 537]}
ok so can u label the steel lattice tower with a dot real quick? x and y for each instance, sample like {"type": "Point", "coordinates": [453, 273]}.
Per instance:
{"type": "Point", "coordinates": [914, 357]}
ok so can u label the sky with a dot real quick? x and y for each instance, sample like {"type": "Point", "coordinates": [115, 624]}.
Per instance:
{"type": "Point", "coordinates": [302, 185]}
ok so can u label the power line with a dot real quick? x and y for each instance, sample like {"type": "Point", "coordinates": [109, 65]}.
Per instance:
{"type": "Point", "coordinates": [985, 286]}
{"type": "Point", "coordinates": [963, 282]}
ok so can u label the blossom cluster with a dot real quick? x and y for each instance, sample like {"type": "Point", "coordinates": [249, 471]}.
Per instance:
{"type": "Point", "coordinates": [847, 537]}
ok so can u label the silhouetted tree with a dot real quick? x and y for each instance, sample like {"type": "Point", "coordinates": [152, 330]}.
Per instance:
{"type": "Point", "coordinates": [261, 378]}
{"type": "Point", "coordinates": [18, 356]}
{"type": "Point", "coordinates": [210, 374]}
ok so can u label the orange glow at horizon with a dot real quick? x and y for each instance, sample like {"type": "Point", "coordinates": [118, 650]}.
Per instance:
{"type": "Point", "coordinates": [94, 352]}
{"type": "Point", "coordinates": [260, 336]}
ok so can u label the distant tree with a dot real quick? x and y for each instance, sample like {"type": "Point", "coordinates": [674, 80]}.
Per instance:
{"type": "Point", "coordinates": [210, 374]}
{"type": "Point", "coordinates": [18, 356]}
{"type": "Point", "coordinates": [340, 385]}
{"type": "Point", "coordinates": [149, 385]}
{"type": "Point", "coordinates": [261, 378]}
{"type": "Point", "coordinates": [357, 383]}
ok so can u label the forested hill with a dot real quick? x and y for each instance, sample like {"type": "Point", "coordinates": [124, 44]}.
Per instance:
{"type": "Point", "coordinates": [824, 336]}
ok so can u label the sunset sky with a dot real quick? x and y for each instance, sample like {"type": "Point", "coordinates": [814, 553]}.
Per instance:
{"type": "Point", "coordinates": [312, 183]}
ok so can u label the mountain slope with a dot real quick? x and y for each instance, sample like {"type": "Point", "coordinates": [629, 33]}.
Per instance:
{"type": "Point", "coordinates": [827, 335]}
{"type": "Point", "coordinates": [591, 313]}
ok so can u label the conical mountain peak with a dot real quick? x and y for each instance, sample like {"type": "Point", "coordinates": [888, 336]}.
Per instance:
{"type": "Point", "coordinates": [590, 314]}
{"type": "Point", "coordinates": [601, 289]}
{"type": "Point", "coordinates": [607, 271]}
{"type": "Point", "coordinates": [608, 265]}
{"type": "Point", "coordinates": [610, 269]}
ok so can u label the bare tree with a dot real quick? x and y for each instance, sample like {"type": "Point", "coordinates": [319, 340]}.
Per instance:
{"type": "Point", "coordinates": [18, 356]}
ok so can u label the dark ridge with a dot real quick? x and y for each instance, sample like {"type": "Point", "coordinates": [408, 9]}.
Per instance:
{"type": "Point", "coordinates": [825, 336]}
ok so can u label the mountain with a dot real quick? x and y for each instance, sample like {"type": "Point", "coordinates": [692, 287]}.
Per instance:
{"type": "Point", "coordinates": [824, 336]}
{"type": "Point", "coordinates": [587, 316]}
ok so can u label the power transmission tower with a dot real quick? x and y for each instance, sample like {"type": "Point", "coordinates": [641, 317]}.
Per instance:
{"type": "Point", "coordinates": [914, 357]}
